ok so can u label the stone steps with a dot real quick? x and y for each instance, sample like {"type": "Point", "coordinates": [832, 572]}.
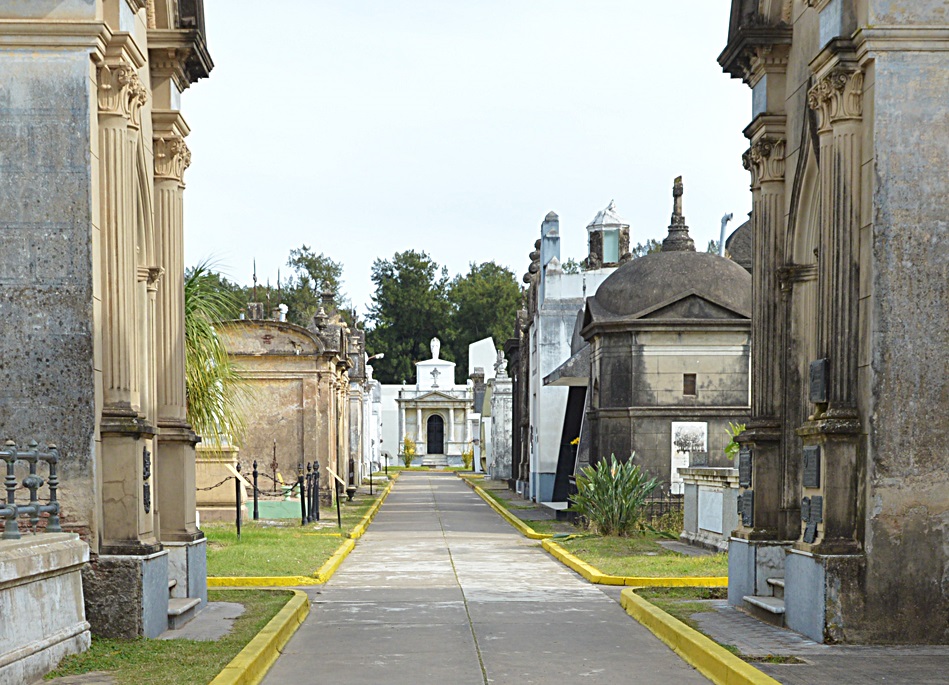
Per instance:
{"type": "Point", "coordinates": [777, 587]}
{"type": "Point", "coordinates": [181, 610]}
{"type": "Point", "coordinates": [767, 609]}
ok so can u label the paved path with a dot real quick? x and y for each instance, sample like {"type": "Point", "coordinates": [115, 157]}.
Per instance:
{"type": "Point", "coordinates": [442, 591]}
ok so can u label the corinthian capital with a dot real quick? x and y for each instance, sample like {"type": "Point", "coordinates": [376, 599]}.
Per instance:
{"type": "Point", "coordinates": [837, 96]}
{"type": "Point", "coordinates": [172, 157]}
{"type": "Point", "coordinates": [765, 160]}
{"type": "Point", "coordinates": [121, 91]}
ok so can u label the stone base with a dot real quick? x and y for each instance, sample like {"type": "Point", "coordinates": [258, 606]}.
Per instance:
{"type": "Point", "coordinates": [188, 567]}
{"type": "Point", "coordinates": [750, 564]}
{"type": "Point", "coordinates": [127, 596]}
{"type": "Point", "coordinates": [706, 540]}
{"type": "Point", "coordinates": [41, 602]}
{"type": "Point", "coordinates": [823, 595]}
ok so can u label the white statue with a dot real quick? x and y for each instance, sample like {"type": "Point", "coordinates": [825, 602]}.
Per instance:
{"type": "Point", "coordinates": [436, 348]}
{"type": "Point", "coordinates": [500, 367]}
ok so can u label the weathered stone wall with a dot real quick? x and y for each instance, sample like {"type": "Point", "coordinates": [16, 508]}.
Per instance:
{"type": "Point", "coordinates": [47, 233]}
{"type": "Point", "coordinates": [907, 264]}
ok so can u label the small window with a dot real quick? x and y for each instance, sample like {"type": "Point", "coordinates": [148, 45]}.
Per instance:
{"type": "Point", "coordinates": [688, 384]}
{"type": "Point", "coordinates": [610, 247]}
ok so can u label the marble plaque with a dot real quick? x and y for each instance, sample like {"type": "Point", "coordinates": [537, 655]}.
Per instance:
{"type": "Point", "coordinates": [818, 381]}
{"type": "Point", "coordinates": [812, 466]}
{"type": "Point", "coordinates": [744, 467]}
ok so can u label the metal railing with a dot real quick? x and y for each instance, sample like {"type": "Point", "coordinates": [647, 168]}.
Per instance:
{"type": "Point", "coordinates": [11, 511]}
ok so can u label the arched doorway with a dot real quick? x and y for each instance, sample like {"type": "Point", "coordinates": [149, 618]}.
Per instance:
{"type": "Point", "coordinates": [436, 435]}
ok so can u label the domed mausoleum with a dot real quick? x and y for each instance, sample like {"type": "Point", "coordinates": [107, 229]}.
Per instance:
{"type": "Point", "coordinates": [669, 342]}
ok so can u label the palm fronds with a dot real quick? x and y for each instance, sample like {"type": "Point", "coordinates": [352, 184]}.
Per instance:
{"type": "Point", "coordinates": [216, 391]}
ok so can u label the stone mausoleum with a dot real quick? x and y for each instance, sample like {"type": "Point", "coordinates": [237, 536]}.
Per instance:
{"type": "Point", "coordinates": [844, 469]}
{"type": "Point", "coordinates": [92, 157]}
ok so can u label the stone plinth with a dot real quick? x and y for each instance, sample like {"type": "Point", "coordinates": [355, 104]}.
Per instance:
{"type": "Point", "coordinates": [710, 507]}
{"type": "Point", "coordinates": [212, 467]}
{"type": "Point", "coordinates": [41, 603]}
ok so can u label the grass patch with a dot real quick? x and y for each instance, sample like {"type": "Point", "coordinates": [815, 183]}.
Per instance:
{"type": "Point", "coordinates": [169, 662]}
{"type": "Point", "coordinates": [683, 602]}
{"type": "Point", "coordinates": [642, 555]}
{"type": "Point", "coordinates": [281, 547]}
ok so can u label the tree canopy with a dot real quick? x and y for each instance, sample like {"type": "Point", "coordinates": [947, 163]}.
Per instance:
{"type": "Point", "coordinates": [409, 307]}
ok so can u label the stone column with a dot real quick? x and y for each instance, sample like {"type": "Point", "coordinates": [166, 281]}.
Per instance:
{"type": "Point", "coordinates": [451, 425]}
{"type": "Point", "coordinates": [773, 515]}
{"type": "Point", "coordinates": [418, 424]}
{"type": "Point", "coordinates": [831, 438]}
{"type": "Point", "coordinates": [176, 449]}
{"type": "Point", "coordinates": [125, 465]}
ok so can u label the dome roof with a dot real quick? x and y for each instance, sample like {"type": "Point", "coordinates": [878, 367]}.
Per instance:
{"type": "Point", "coordinates": [658, 278]}
{"type": "Point", "coordinates": [607, 217]}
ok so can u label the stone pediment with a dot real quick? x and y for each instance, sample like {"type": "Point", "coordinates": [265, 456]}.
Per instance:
{"type": "Point", "coordinates": [690, 305]}
{"type": "Point", "coordinates": [433, 397]}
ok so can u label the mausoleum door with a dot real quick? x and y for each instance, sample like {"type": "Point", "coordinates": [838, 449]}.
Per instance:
{"type": "Point", "coordinates": [436, 435]}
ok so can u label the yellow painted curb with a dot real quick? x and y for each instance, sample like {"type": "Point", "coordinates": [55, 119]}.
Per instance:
{"type": "Point", "coordinates": [360, 528]}
{"type": "Point", "coordinates": [252, 663]}
{"type": "Point", "coordinates": [711, 659]}
{"type": "Point", "coordinates": [522, 527]}
{"type": "Point", "coordinates": [327, 570]}
{"type": "Point", "coordinates": [594, 575]}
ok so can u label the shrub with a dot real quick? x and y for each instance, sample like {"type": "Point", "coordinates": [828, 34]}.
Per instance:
{"type": "Point", "coordinates": [467, 457]}
{"type": "Point", "coordinates": [408, 451]}
{"type": "Point", "coordinates": [611, 496]}
{"type": "Point", "coordinates": [732, 448]}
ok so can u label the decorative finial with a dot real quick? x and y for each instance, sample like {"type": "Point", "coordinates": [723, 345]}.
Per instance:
{"type": "Point", "coordinates": [678, 239]}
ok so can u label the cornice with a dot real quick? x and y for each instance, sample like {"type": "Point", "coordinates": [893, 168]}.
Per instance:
{"type": "Point", "coordinates": [183, 51]}
{"type": "Point", "coordinates": [900, 39]}
{"type": "Point", "coordinates": [66, 35]}
{"type": "Point", "coordinates": [736, 58]}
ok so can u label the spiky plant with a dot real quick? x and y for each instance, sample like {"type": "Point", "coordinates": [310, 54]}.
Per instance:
{"type": "Point", "coordinates": [216, 390]}
{"type": "Point", "coordinates": [612, 496]}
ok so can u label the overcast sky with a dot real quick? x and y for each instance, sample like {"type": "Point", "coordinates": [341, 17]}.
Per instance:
{"type": "Point", "coordinates": [366, 127]}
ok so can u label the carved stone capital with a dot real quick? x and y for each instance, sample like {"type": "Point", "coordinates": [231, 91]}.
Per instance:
{"type": "Point", "coordinates": [172, 157]}
{"type": "Point", "coordinates": [120, 91]}
{"type": "Point", "coordinates": [765, 160]}
{"type": "Point", "coordinates": [837, 96]}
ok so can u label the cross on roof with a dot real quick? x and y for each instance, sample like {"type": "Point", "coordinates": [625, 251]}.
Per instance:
{"type": "Point", "coordinates": [435, 374]}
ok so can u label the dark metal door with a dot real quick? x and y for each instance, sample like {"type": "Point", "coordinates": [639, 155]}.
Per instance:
{"type": "Point", "coordinates": [436, 435]}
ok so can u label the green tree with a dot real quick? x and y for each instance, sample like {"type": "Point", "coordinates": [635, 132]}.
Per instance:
{"type": "Point", "coordinates": [312, 273]}
{"type": "Point", "coordinates": [484, 303]}
{"type": "Point", "coordinates": [214, 388]}
{"type": "Point", "coordinates": [649, 247]}
{"type": "Point", "coordinates": [712, 247]}
{"type": "Point", "coordinates": [571, 266]}
{"type": "Point", "coordinates": [409, 308]}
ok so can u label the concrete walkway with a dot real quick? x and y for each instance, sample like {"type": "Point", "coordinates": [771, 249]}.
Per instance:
{"type": "Point", "coordinates": [442, 591]}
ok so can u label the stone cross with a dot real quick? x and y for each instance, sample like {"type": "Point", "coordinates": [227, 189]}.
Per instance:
{"type": "Point", "coordinates": [435, 374]}
{"type": "Point", "coordinates": [677, 197]}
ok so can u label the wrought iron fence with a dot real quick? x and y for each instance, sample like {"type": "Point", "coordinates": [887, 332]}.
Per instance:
{"type": "Point", "coordinates": [665, 504]}
{"type": "Point", "coordinates": [10, 511]}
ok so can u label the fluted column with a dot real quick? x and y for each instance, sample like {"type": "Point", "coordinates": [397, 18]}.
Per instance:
{"type": "Point", "coordinates": [120, 96]}
{"type": "Point", "coordinates": [125, 463]}
{"type": "Point", "coordinates": [765, 161]}
{"type": "Point", "coordinates": [176, 454]}
{"type": "Point", "coordinates": [837, 99]}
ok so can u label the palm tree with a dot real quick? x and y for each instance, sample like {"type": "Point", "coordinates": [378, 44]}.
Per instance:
{"type": "Point", "coordinates": [216, 390]}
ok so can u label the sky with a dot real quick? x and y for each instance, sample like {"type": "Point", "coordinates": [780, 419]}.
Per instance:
{"type": "Point", "coordinates": [362, 128]}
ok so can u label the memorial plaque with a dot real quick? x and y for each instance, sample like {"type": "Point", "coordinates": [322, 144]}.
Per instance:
{"type": "Point", "coordinates": [818, 385]}
{"type": "Point", "coordinates": [738, 499]}
{"type": "Point", "coordinates": [748, 509]}
{"type": "Point", "coordinates": [810, 533]}
{"type": "Point", "coordinates": [806, 509]}
{"type": "Point", "coordinates": [817, 509]}
{"type": "Point", "coordinates": [744, 467]}
{"type": "Point", "coordinates": [812, 466]}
